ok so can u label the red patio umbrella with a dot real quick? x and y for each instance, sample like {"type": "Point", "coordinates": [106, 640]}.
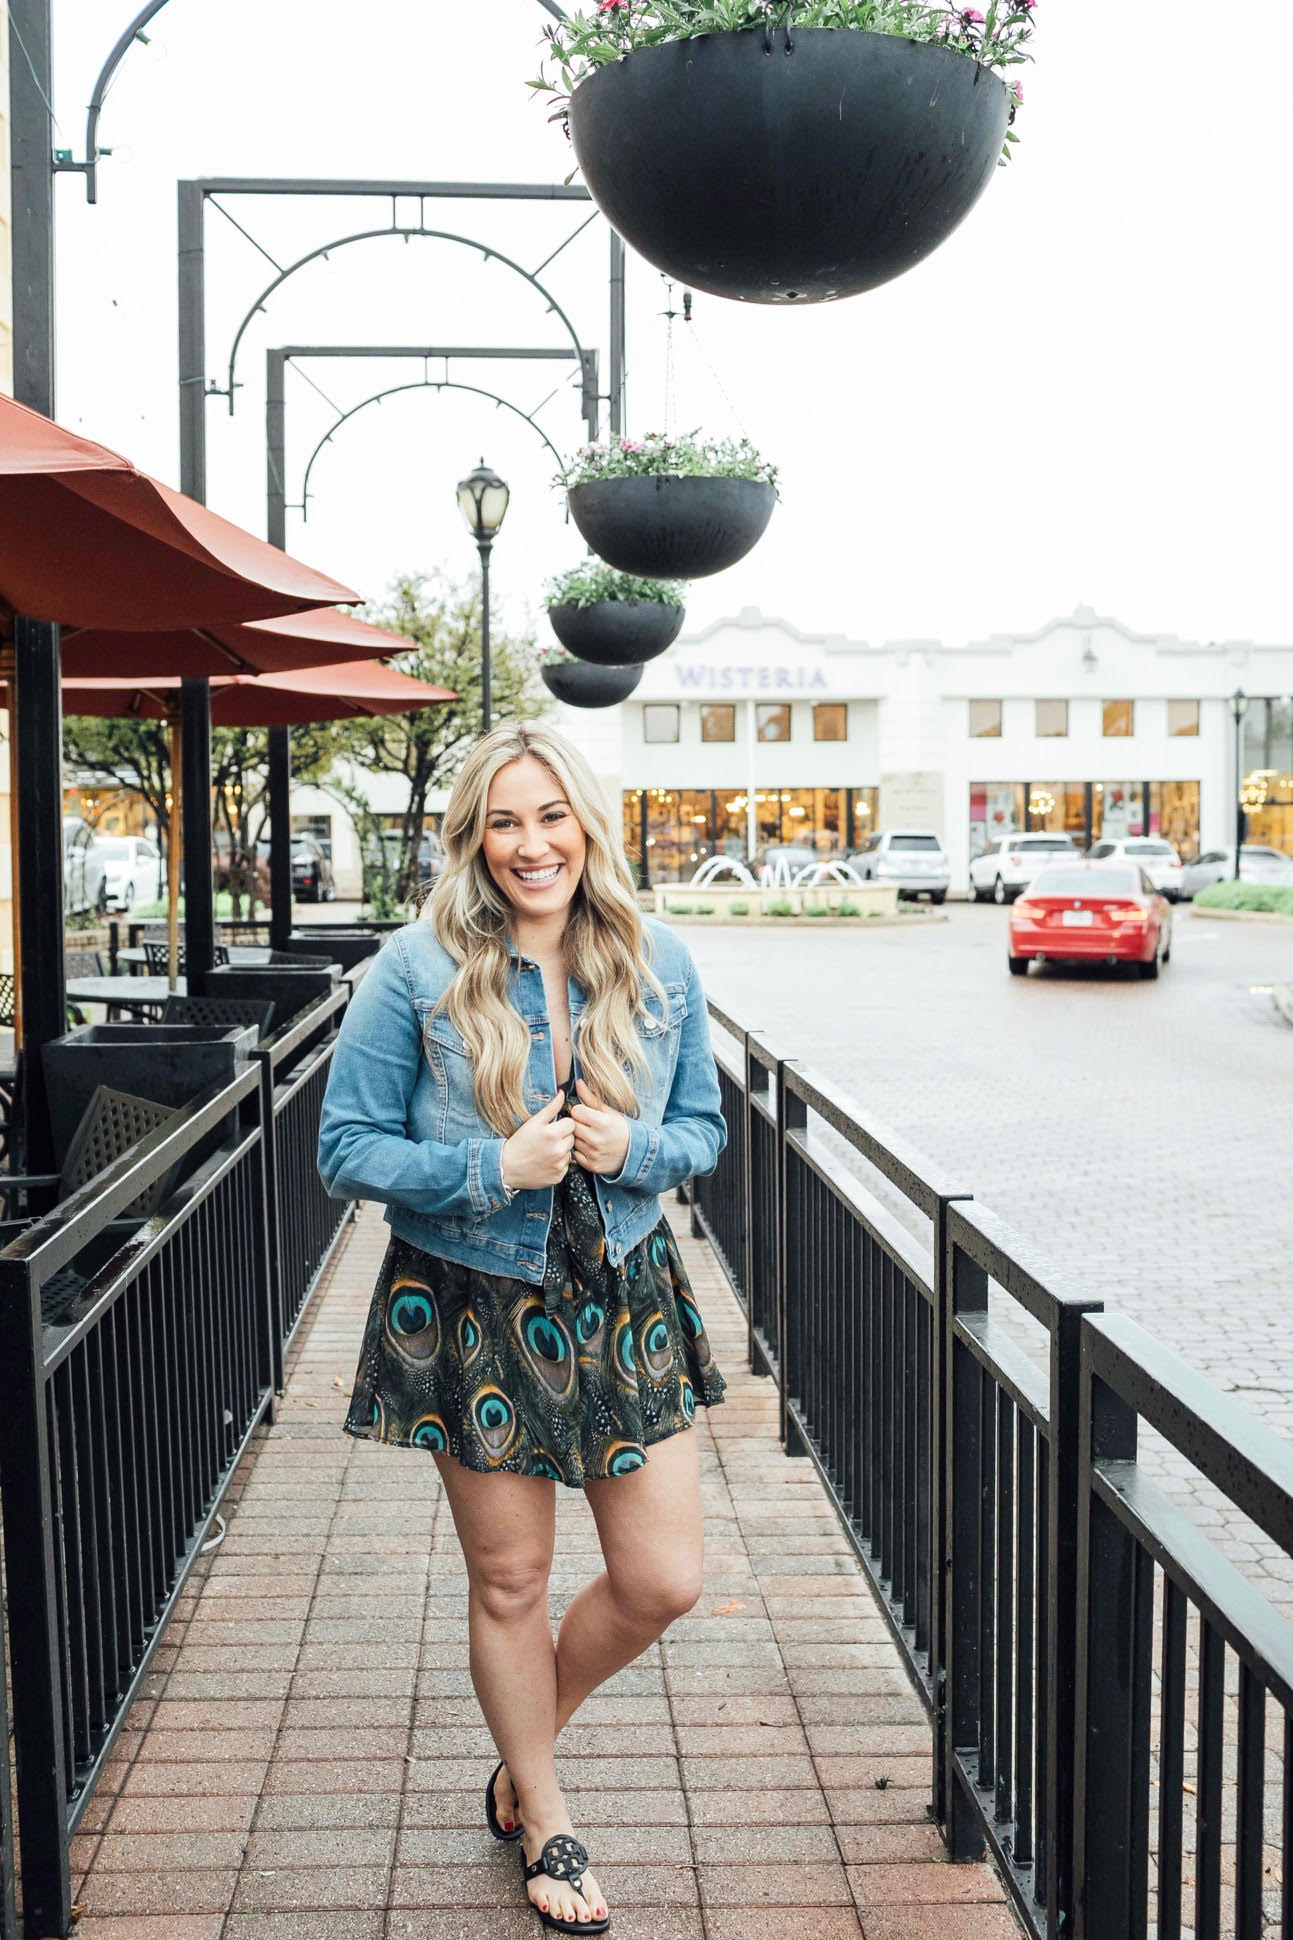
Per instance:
{"type": "Point", "coordinates": [361, 687]}
{"type": "Point", "coordinates": [313, 639]}
{"type": "Point", "coordinates": [87, 540]}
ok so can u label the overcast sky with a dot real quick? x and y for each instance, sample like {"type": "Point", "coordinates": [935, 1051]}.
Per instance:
{"type": "Point", "coordinates": [1085, 396]}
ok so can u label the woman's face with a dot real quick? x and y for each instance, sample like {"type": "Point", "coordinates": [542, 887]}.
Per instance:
{"type": "Point", "coordinates": [534, 844]}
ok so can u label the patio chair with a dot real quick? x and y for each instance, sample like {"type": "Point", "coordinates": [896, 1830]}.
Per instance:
{"type": "Point", "coordinates": [158, 953]}
{"type": "Point", "coordinates": [222, 1012]}
{"type": "Point", "coordinates": [111, 1124]}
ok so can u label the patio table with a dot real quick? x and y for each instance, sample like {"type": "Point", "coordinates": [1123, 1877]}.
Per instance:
{"type": "Point", "coordinates": [123, 993]}
{"type": "Point", "coordinates": [243, 953]}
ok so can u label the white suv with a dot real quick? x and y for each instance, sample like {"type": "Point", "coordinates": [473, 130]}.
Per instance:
{"type": "Point", "coordinates": [914, 859]}
{"type": "Point", "coordinates": [1152, 853]}
{"type": "Point", "coordinates": [1009, 864]}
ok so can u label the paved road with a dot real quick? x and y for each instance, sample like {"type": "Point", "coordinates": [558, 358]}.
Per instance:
{"type": "Point", "coordinates": [1143, 1132]}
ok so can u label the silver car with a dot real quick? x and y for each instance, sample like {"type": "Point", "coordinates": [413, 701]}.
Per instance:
{"type": "Point", "coordinates": [84, 883]}
{"type": "Point", "coordinates": [1152, 853]}
{"type": "Point", "coordinates": [1256, 864]}
{"type": "Point", "coordinates": [914, 859]}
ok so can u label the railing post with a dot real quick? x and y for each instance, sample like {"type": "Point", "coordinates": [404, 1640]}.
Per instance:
{"type": "Point", "coordinates": [964, 1290]}
{"type": "Point", "coordinates": [1114, 1637]}
{"type": "Point", "coordinates": [1065, 1453]}
{"type": "Point", "coordinates": [8, 1911]}
{"type": "Point", "coordinates": [27, 1488]}
{"type": "Point", "coordinates": [936, 1560]}
{"type": "Point", "coordinates": [277, 1313]}
{"type": "Point", "coordinates": [755, 1080]}
{"type": "Point", "coordinates": [792, 1116]}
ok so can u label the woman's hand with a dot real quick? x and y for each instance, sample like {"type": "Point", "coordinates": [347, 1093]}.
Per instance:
{"type": "Point", "coordinates": [601, 1135]}
{"type": "Point", "coordinates": [538, 1152]}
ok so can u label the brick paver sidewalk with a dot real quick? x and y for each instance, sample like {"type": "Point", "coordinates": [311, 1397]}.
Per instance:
{"type": "Point", "coordinates": [309, 1760]}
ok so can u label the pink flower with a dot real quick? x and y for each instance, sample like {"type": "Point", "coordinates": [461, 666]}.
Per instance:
{"type": "Point", "coordinates": [1017, 93]}
{"type": "Point", "coordinates": [972, 17]}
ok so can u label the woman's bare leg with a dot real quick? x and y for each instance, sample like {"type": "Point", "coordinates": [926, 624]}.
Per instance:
{"type": "Point", "coordinates": [506, 1525]}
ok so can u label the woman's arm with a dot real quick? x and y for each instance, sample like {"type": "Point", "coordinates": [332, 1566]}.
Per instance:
{"type": "Point", "coordinates": [365, 1151]}
{"type": "Point", "coordinates": [692, 1132]}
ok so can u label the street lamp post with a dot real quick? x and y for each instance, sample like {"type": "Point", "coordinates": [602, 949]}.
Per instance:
{"type": "Point", "coordinates": [1238, 708]}
{"type": "Point", "coordinates": [483, 499]}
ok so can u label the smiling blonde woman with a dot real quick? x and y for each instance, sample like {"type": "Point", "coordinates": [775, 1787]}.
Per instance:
{"type": "Point", "coordinates": [519, 1077]}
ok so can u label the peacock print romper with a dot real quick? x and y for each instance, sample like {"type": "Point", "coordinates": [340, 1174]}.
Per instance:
{"type": "Point", "coordinates": [573, 1380]}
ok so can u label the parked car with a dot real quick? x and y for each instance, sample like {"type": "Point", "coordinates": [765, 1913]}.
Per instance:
{"type": "Point", "coordinates": [431, 856]}
{"type": "Point", "coordinates": [1009, 864]}
{"type": "Point", "coordinates": [1256, 864]}
{"type": "Point", "coordinates": [914, 859]}
{"type": "Point", "coordinates": [134, 871]}
{"type": "Point", "coordinates": [1152, 853]}
{"type": "Point", "coordinates": [84, 884]}
{"type": "Point", "coordinates": [312, 878]}
{"type": "Point", "coordinates": [1088, 911]}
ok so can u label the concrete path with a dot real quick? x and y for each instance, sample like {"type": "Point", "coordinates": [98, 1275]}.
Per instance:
{"type": "Point", "coordinates": [309, 1759]}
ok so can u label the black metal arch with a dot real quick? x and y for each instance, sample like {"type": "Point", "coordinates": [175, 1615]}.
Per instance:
{"type": "Point", "coordinates": [369, 235]}
{"type": "Point", "coordinates": [422, 384]}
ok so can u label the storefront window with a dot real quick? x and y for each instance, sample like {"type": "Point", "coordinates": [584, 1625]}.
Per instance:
{"type": "Point", "coordinates": [660, 721]}
{"type": "Point", "coordinates": [985, 720]}
{"type": "Point", "coordinates": [996, 809]}
{"type": "Point", "coordinates": [1182, 717]}
{"type": "Point", "coordinates": [1057, 808]}
{"type": "Point", "coordinates": [686, 826]}
{"type": "Point", "coordinates": [1088, 811]}
{"type": "Point", "coordinates": [1268, 737]}
{"type": "Point", "coordinates": [772, 722]}
{"type": "Point", "coordinates": [1119, 718]}
{"type": "Point", "coordinates": [1174, 813]}
{"type": "Point", "coordinates": [831, 721]}
{"type": "Point", "coordinates": [1052, 720]}
{"type": "Point", "coordinates": [718, 723]}
{"type": "Point", "coordinates": [1117, 810]}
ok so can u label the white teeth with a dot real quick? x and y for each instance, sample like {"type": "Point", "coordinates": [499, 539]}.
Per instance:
{"type": "Point", "coordinates": [537, 876]}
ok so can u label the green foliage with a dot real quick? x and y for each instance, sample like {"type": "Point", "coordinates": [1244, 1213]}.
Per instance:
{"type": "Point", "coordinates": [848, 909]}
{"type": "Point", "coordinates": [1267, 899]}
{"type": "Point", "coordinates": [592, 582]}
{"type": "Point", "coordinates": [817, 909]}
{"type": "Point", "coordinates": [738, 909]}
{"type": "Point", "coordinates": [705, 909]}
{"type": "Point", "coordinates": [779, 908]}
{"type": "Point", "coordinates": [656, 456]}
{"type": "Point", "coordinates": [680, 909]}
{"type": "Point", "coordinates": [997, 35]}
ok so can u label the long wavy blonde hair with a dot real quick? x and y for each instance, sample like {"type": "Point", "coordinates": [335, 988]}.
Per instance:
{"type": "Point", "coordinates": [606, 944]}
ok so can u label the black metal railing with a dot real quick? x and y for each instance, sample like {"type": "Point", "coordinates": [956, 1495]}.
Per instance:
{"type": "Point", "coordinates": [304, 1223]}
{"type": "Point", "coordinates": [974, 1420]}
{"type": "Point", "coordinates": [131, 1390]}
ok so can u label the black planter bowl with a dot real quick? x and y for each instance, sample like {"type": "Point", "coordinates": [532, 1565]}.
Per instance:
{"type": "Point", "coordinates": [672, 528]}
{"type": "Point", "coordinates": [580, 684]}
{"type": "Point", "coordinates": [617, 633]}
{"type": "Point", "coordinates": [791, 176]}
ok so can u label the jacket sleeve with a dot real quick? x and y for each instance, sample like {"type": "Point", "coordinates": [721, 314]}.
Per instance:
{"type": "Point", "coordinates": [365, 1151]}
{"type": "Point", "coordinates": [693, 1131]}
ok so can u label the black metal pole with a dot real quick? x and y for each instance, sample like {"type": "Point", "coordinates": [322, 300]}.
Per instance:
{"type": "Point", "coordinates": [1239, 786]}
{"type": "Point", "coordinates": [644, 822]}
{"type": "Point", "coordinates": [486, 546]}
{"type": "Point", "coordinates": [195, 714]}
{"type": "Point", "coordinates": [618, 337]}
{"type": "Point", "coordinates": [195, 758]}
{"type": "Point", "coordinates": [37, 722]}
{"type": "Point", "coordinates": [280, 739]}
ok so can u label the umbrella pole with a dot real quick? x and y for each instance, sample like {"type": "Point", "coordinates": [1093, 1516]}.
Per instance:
{"type": "Point", "coordinates": [173, 858]}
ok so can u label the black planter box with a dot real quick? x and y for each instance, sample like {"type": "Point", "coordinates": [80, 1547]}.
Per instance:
{"type": "Point", "coordinates": [346, 947]}
{"type": "Point", "coordinates": [169, 1063]}
{"type": "Point", "coordinates": [617, 633]}
{"type": "Point", "coordinates": [672, 528]}
{"type": "Point", "coordinates": [288, 990]}
{"type": "Point", "coordinates": [815, 170]}
{"type": "Point", "coordinates": [579, 684]}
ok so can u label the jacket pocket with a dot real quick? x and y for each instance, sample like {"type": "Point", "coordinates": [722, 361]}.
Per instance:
{"type": "Point", "coordinates": [658, 1023]}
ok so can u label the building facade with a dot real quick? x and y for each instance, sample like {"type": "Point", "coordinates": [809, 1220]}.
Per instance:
{"type": "Point", "coordinates": [751, 733]}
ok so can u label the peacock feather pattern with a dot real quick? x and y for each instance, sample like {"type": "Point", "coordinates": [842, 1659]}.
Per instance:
{"type": "Point", "coordinates": [573, 1381]}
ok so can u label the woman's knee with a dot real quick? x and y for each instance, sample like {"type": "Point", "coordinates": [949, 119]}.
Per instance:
{"type": "Point", "coordinates": [653, 1597]}
{"type": "Point", "coordinates": [510, 1587]}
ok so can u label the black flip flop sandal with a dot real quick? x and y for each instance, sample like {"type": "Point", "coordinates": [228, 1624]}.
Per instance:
{"type": "Point", "coordinates": [491, 1810]}
{"type": "Point", "coordinates": [563, 1858]}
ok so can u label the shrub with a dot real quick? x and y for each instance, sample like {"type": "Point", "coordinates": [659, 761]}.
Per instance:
{"type": "Point", "coordinates": [680, 909]}
{"type": "Point", "coordinates": [1265, 898]}
{"type": "Point", "coordinates": [779, 908]}
{"type": "Point", "coordinates": [738, 909]}
{"type": "Point", "coordinates": [817, 909]}
{"type": "Point", "coordinates": [592, 583]}
{"type": "Point", "coordinates": [704, 909]}
{"type": "Point", "coordinates": [847, 908]}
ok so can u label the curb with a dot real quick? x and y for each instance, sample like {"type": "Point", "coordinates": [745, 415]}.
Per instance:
{"type": "Point", "coordinates": [802, 922]}
{"type": "Point", "coordinates": [1240, 915]}
{"type": "Point", "coordinates": [1282, 998]}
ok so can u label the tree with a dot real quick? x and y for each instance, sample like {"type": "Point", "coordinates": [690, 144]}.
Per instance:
{"type": "Point", "coordinates": [135, 754]}
{"type": "Point", "coordinates": [429, 745]}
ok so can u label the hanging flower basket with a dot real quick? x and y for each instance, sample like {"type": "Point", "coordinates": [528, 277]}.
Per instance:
{"type": "Point", "coordinates": [794, 165]}
{"type": "Point", "coordinates": [671, 508]}
{"type": "Point", "coordinates": [580, 685]}
{"type": "Point", "coordinates": [614, 619]}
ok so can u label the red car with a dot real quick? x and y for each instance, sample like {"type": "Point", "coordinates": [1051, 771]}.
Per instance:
{"type": "Point", "coordinates": [1091, 912]}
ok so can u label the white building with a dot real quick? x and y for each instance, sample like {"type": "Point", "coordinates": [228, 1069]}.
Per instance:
{"type": "Point", "coordinates": [752, 732]}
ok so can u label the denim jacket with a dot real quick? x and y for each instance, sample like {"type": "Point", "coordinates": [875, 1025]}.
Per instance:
{"type": "Point", "coordinates": [400, 1124]}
